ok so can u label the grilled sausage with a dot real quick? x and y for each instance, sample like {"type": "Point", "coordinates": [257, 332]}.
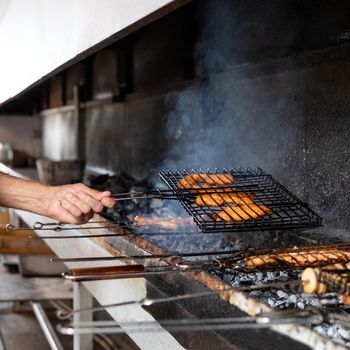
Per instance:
{"type": "Point", "coordinates": [242, 213]}
{"type": "Point", "coordinates": [218, 199]}
{"type": "Point", "coordinates": [194, 181]}
{"type": "Point", "coordinates": [299, 259]}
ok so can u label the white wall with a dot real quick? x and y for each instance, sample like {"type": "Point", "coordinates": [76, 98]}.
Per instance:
{"type": "Point", "coordinates": [38, 36]}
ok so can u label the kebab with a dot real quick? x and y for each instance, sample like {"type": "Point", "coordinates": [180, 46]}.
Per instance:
{"type": "Point", "coordinates": [331, 278]}
{"type": "Point", "coordinates": [300, 258]}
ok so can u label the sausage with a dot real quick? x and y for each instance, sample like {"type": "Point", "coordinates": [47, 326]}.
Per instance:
{"type": "Point", "coordinates": [218, 199]}
{"type": "Point", "coordinates": [194, 181]}
{"type": "Point", "coordinates": [299, 259]}
{"type": "Point", "coordinates": [242, 213]}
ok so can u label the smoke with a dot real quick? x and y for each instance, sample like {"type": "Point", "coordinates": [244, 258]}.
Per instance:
{"type": "Point", "coordinates": [230, 117]}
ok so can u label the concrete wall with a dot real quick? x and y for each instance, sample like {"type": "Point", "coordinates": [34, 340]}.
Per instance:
{"type": "Point", "coordinates": [22, 133]}
{"type": "Point", "coordinates": [128, 137]}
{"type": "Point", "coordinates": [293, 124]}
{"type": "Point", "coordinates": [59, 134]}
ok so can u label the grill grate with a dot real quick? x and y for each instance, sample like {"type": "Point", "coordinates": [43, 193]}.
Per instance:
{"type": "Point", "coordinates": [285, 210]}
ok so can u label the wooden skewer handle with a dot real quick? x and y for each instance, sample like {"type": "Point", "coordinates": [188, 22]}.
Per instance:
{"type": "Point", "coordinates": [107, 270]}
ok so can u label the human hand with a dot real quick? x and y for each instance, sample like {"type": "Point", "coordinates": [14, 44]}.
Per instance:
{"type": "Point", "coordinates": [76, 203]}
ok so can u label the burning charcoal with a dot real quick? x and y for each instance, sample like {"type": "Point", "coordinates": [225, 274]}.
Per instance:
{"type": "Point", "coordinates": [293, 298]}
{"type": "Point", "coordinates": [344, 333]}
{"type": "Point", "coordinates": [271, 302]}
{"type": "Point", "coordinates": [119, 183]}
{"type": "Point", "coordinates": [98, 181]}
{"type": "Point", "coordinates": [256, 294]}
{"type": "Point", "coordinates": [281, 294]}
{"type": "Point", "coordinates": [301, 305]}
{"type": "Point", "coordinates": [280, 303]}
{"type": "Point", "coordinates": [331, 331]}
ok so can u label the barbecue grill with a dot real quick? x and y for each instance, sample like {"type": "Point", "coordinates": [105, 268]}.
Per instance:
{"type": "Point", "coordinates": [204, 102]}
{"type": "Point", "coordinates": [166, 268]}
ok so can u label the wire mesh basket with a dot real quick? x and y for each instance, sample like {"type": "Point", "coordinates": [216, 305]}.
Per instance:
{"type": "Point", "coordinates": [228, 200]}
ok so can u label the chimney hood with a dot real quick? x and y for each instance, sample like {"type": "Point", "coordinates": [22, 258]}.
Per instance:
{"type": "Point", "coordinates": [40, 38]}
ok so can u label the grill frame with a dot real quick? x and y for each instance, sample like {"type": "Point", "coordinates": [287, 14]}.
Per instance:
{"type": "Point", "coordinates": [289, 212]}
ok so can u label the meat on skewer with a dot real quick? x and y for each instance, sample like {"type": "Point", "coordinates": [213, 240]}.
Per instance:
{"type": "Point", "coordinates": [300, 259]}
{"type": "Point", "coordinates": [323, 280]}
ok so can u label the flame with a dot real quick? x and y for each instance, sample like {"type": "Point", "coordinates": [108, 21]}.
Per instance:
{"type": "Point", "coordinates": [166, 222]}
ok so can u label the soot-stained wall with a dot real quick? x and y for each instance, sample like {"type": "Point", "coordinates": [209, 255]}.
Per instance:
{"type": "Point", "coordinates": [275, 97]}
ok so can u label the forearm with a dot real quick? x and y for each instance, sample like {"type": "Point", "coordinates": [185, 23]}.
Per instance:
{"type": "Point", "coordinates": [75, 203]}
{"type": "Point", "coordinates": [24, 194]}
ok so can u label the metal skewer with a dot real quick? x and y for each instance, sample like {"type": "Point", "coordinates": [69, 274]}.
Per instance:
{"type": "Point", "coordinates": [62, 315]}
{"type": "Point", "coordinates": [263, 320]}
{"type": "Point", "coordinates": [145, 257]}
{"type": "Point", "coordinates": [152, 270]}
{"type": "Point", "coordinates": [57, 227]}
{"type": "Point", "coordinates": [39, 225]}
{"type": "Point", "coordinates": [125, 234]}
{"type": "Point", "coordinates": [157, 194]}
{"type": "Point", "coordinates": [170, 194]}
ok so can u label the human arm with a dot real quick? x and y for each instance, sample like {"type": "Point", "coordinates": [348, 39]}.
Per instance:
{"type": "Point", "coordinates": [73, 204]}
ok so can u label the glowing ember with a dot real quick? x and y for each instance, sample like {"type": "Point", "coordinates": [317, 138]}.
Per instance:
{"type": "Point", "coordinates": [166, 222]}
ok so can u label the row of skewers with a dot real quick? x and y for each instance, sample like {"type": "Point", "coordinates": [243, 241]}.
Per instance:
{"type": "Point", "coordinates": [325, 269]}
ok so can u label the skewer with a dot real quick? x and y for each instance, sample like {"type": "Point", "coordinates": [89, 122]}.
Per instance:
{"type": "Point", "coordinates": [145, 257]}
{"type": "Point", "coordinates": [170, 194]}
{"type": "Point", "coordinates": [239, 260]}
{"type": "Point", "coordinates": [156, 194]}
{"type": "Point", "coordinates": [125, 234]}
{"type": "Point", "coordinates": [39, 225]}
{"type": "Point", "coordinates": [120, 272]}
{"type": "Point", "coordinates": [263, 320]}
{"type": "Point", "coordinates": [242, 252]}
{"type": "Point", "coordinates": [139, 270]}
{"type": "Point", "coordinates": [57, 227]}
{"type": "Point", "coordinates": [62, 315]}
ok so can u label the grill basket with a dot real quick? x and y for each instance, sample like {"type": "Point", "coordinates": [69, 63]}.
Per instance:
{"type": "Point", "coordinates": [288, 212]}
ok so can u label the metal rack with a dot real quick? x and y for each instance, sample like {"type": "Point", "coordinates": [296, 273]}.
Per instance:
{"type": "Point", "coordinates": [286, 210]}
